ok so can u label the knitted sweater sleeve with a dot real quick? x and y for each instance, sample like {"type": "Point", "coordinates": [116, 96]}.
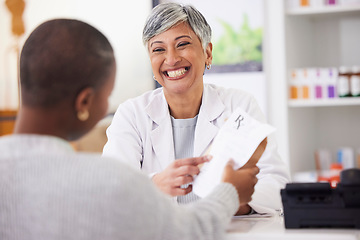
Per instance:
{"type": "Point", "coordinates": [158, 217]}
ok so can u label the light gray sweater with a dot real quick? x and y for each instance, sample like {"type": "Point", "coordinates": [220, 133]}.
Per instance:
{"type": "Point", "coordinates": [48, 191]}
{"type": "Point", "coordinates": [183, 135]}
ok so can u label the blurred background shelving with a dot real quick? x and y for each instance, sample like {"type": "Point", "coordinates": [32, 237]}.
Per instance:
{"type": "Point", "coordinates": [321, 37]}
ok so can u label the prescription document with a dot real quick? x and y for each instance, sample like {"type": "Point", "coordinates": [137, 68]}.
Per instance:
{"type": "Point", "coordinates": [237, 139]}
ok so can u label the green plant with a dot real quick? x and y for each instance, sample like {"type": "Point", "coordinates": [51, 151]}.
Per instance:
{"type": "Point", "coordinates": [238, 47]}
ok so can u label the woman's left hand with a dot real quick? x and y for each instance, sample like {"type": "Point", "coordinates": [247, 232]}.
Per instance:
{"type": "Point", "coordinates": [178, 173]}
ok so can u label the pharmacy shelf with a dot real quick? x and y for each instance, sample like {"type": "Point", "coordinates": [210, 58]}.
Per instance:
{"type": "Point", "coordinates": [322, 10]}
{"type": "Point", "coordinates": [324, 102]}
{"type": "Point", "coordinates": [322, 38]}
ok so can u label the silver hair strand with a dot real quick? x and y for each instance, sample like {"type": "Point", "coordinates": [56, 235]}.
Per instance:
{"type": "Point", "coordinates": [167, 15]}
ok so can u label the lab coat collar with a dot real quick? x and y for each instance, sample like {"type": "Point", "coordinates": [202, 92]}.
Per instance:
{"type": "Point", "coordinates": [158, 109]}
{"type": "Point", "coordinates": [161, 134]}
{"type": "Point", "coordinates": [211, 108]}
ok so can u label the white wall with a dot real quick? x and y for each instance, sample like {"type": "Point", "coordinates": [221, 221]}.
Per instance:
{"type": "Point", "coordinates": [252, 82]}
{"type": "Point", "coordinates": [274, 67]}
{"type": "Point", "coordinates": [120, 21]}
{"type": "Point", "coordinates": [8, 62]}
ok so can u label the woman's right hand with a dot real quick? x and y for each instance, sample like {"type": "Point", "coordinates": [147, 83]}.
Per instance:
{"type": "Point", "coordinates": [178, 173]}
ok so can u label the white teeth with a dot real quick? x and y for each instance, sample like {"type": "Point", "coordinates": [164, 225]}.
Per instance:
{"type": "Point", "coordinates": [177, 73]}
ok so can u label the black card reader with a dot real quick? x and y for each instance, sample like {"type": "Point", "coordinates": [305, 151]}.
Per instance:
{"type": "Point", "coordinates": [318, 205]}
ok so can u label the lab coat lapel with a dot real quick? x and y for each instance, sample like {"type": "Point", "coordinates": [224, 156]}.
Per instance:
{"type": "Point", "coordinates": [161, 134]}
{"type": "Point", "coordinates": [211, 108]}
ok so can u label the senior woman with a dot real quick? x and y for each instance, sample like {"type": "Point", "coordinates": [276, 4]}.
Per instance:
{"type": "Point", "coordinates": [182, 118]}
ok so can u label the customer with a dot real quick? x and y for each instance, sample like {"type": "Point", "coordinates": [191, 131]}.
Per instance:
{"type": "Point", "coordinates": [182, 118]}
{"type": "Point", "coordinates": [48, 191]}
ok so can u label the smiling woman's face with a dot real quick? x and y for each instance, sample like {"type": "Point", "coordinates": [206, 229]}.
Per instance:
{"type": "Point", "coordinates": [178, 60]}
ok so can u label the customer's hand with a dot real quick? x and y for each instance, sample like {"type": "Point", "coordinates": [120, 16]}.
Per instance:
{"type": "Point", "coordinates": [178, 173]}
{"type": "Point", "coordinates": [244, 181]}
{"type": "Point", "coordinates": [245, 209]}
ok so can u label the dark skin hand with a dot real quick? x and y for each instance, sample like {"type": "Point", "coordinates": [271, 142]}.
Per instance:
{"type": "Point", "coordinates": [243, 180]}
{"type": "Point", "coordinates": [181, 172]}
{"type": "Point", "coordinates": [245, 209]}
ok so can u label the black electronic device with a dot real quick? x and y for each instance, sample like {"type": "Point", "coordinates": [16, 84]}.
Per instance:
{"type": "Point", "coordinates": [318, 205]}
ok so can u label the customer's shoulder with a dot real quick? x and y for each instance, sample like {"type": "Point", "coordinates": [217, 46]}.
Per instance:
{"type": "Point", "coordinates": [108, 168]}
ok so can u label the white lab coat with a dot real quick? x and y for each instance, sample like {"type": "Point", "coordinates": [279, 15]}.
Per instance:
{"type": "Point", "coordinates": [141, 135]}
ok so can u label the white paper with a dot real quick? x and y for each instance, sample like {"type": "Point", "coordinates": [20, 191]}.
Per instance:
{"type": "Point", "coordinates": [237, 139]}
{"type": "Point", "coordinates": [254, 215]}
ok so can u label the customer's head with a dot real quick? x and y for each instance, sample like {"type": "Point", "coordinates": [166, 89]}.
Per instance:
{"type": "Point", "coordinates": [167, 15]}
{"type": "Point", "coordinates": [71, 64]}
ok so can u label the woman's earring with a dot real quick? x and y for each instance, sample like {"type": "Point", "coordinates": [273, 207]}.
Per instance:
{"type": "Point", "coordinates": [154, 77]}
{"type": "Point", "coordinates": [83, 115]}
{"type": "Point", "coordinates": [208, 67]}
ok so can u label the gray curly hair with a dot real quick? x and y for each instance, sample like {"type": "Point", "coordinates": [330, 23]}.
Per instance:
{"type": "Point", "coordinates": [167, 15]}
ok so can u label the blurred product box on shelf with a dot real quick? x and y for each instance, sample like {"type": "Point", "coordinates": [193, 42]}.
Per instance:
{"type": "Point", "coordinates": [298, 4]}
{"type": "Point", "coordinates": [346, 157]}
{"type": "Point", "coordinates": [355, 81]}
{"type": "Point", "coordinates": [324, 83]}
{"type": "Point", "coordinates": [328, 165]}
{"type": "Point", "coordinates": [294, 4]}
{"type": "Point", "coordinates": [313, 83]}
{"type": "Point", "coordinates": [323, 161]}
{"type": "Point", "coordinates": [343, 84]}
{"type": "Point", "coordinates": [348, 2]}
{"type": "Point", "coordinates": [326, 169]}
